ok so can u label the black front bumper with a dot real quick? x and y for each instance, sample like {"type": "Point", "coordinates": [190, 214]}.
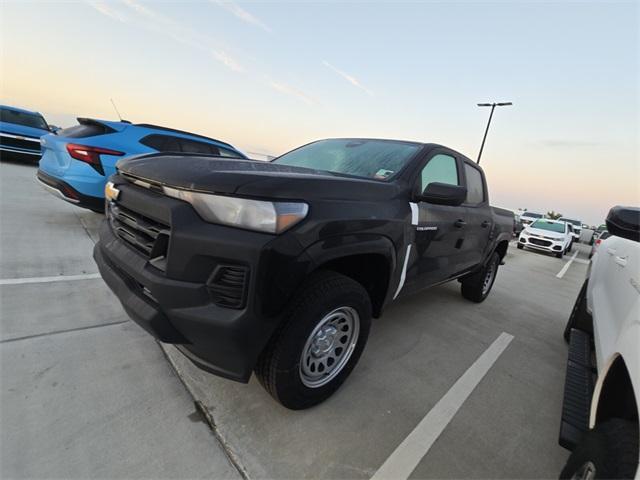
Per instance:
{"type": "Point", "coordinates": [174, 301]}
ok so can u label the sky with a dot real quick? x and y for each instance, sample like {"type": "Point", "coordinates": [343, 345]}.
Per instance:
{"type": "Point", "coordinates": [270, 76]}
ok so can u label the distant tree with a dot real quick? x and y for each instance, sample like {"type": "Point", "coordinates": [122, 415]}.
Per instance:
{"type": "Point", "coordinates": [553, 215]}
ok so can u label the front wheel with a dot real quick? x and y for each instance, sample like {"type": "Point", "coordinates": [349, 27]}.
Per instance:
{"type": "Point", "coordinates": [322, 336]}
{"type": "Point", "coordinates": [608, 451]}
{"type": "Point", "coordinates": [477, 286]}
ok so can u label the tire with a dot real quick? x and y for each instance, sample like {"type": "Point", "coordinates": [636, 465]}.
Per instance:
{"type": "Point", "coordinates": [570, 247]}
{"type": "Point", "coordinates": [559, 254]}
{"type": "Point", "coordinates": [478, 286]}
{"type": "Point", "coordinates": [520, 246]}
{"type": "Point", "coordinates": [610, 450]}
{"type": "Point", "coordinates": [288, 369]}
{"type": "Point", "coordinates": [579, 317]}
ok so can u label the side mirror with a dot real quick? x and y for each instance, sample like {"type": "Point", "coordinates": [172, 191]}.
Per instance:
{"type": "Point", "coordinates": [444, 194]}
{"type": "Point", "coordinates": [54, 128]}
{"type": "Point", "coordinates": [624, 222]}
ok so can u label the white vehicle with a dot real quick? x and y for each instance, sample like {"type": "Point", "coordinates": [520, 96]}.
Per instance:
{"type": "Point", "coordinates": [600, 410]}
{"type": "Point", "coordinates": [577, 227]}
{"type": "Point", "coordinates": [529, 217]}
{"type": "Point", "coordinates": [547, 235]}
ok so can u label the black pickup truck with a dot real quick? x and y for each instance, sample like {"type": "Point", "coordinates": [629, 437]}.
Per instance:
{"type": "Point", "coordinates": [279, 267]}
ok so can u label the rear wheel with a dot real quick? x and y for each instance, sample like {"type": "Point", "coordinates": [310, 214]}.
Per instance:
{"type": "Point", "coordinates": [608, 451]}
{"type": "Point", "coordinates": [322, 336]}
{"type": "Point", "coordinates": [477, 286]}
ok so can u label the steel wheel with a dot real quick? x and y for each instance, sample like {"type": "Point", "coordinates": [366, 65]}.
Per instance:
{"type": "Point", "coordinates": [586, 472]}
{"type": "Point", "coordinates": [329, 347]}
{"type": "Point", "coordinates": [489, 277]}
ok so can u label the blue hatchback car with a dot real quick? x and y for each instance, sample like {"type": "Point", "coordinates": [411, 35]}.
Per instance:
{"type": "Point", "coordinates": [20, 132]}
{"type": "Point", "coordinates": [77, 161]}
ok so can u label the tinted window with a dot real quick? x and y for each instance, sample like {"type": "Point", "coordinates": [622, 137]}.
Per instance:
{"type": "Point", "coordinates": [223, 152]}
{"type": "Point", "coordinates": [441, 168]}
{"type": "Point", "coordinates": [25, 119]}
{"type": "Point", "coordinates": [156, 142]}
{"type": "Point", "coordinates": [378, 159]}
{"type": "Point", "coordinates": [81, 131]}
{"type": "Point", "coordinates": [532, 215]}
{"type": "Point", "coordinates": [475, 187]}
{"type": "Point", "coordinates": [191, 146]}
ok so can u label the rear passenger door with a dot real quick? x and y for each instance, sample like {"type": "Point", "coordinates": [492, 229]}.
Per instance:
{"type": "Point", "coordinates": [479, 216]}
{"type": "Point", "coordinates": [440, 229]}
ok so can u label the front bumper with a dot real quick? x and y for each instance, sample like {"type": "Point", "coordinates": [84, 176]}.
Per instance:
{"type": "Point", "coordinates": [174, 301]}
{"type": "Point", "coordinates": [553, 247]}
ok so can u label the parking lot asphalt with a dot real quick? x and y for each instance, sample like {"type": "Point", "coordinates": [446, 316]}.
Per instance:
{"type": "Point", "coordinates": [86, 393]}
{"type": "Point", "coordinates": [507, 428]}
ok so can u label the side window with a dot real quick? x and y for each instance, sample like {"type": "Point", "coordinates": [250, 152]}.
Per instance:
{"type": "Point", "coordinates": [191, 146]}
{"type": "Point", "coordinates": [154, 141]}
{"type": "Point", "coordinates": [441, 168]}
{"type": "Point", "coordinates": [475, 187]}
{"type": "Point", "coordinates": [228, 153]}
{"type": "Point", "coordinates": [161, 143]}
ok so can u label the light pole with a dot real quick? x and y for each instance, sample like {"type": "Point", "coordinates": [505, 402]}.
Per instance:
{"type": "Point", "coordinates": [493, 106]}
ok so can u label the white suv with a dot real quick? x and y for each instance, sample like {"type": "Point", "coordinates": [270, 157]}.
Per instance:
{"type": "Point", "coordinates": [547, 235]}
{"type": "Point", "coordinates": [600, 411]}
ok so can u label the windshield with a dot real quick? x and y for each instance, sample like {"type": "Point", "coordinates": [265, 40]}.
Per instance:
{"type": "Point", "coordinates": [377, 159]}
{"type": "Point", "coordinates": [33, 120]}
{"type": "Point", "coordinates": [549, 225]}
{"type": "Point", "coordinates": [532, 215]}
{"type": "Point", "coordinates": [577, 223]}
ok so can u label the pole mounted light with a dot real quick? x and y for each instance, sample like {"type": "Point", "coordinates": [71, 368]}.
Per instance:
{"type": "Point", "coordinates": [493, 106]}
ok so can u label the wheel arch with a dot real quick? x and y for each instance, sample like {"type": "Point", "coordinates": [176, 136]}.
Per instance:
{"type": "Point", "coordinates": [501, 248]}
{"type": "Point", "coordinates": [614, 396]}
{"type": "Point", "coordinates": [369, 260]}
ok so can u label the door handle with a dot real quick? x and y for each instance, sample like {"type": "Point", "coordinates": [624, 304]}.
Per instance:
{"type": "Point", "coordinates": [485, 224]}
{"type": "Point", "coordinates": [611, 251]}
{"type": "Point", "coordinates": [622, 261]}
{"type": "Point", "coordinates": [459, 223]}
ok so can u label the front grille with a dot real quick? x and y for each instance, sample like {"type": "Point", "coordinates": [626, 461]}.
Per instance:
{"type": "Point", "coordinates": [542, 243]}
{"type": "Point", "coordinates": [32, 145]}
{"type": "Point", "coordinates": [149, 237]}
{"type": "Point", "coordinates": [228, 286]}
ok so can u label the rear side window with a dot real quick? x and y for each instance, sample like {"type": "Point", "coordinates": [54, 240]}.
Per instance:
{"type": "Point", "coordinates": [82, 131]}
{"type": "Point", "coordinates": [169, 143]}
{"type": "Point", "coordinates": [442, 169]}
{"type": "Point", "coordinates": [475, 186]}
{"type": "Point", "coordinates": [191, 146]}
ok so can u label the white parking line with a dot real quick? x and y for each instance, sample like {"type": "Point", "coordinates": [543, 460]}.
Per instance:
{"type": "Point", "coordinates": [567, 265]}
{"type": "Point", "coordinates": [57, 278]}
{"type": "Point", "coordinates": [406, 457]}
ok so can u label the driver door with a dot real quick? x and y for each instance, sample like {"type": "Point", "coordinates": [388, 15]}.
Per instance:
{"type": "Point", "coordinates": [440, 230]}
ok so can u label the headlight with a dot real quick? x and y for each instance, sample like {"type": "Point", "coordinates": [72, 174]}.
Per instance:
{"type": "Point", "coordinates": [269, 217]}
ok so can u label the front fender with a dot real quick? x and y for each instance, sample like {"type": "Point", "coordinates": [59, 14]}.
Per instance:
{"type": "Point", "coordinates": [340, 246]}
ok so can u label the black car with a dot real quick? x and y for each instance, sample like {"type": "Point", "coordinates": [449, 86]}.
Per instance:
{"type": "Point", "coordinates": [278, 267]}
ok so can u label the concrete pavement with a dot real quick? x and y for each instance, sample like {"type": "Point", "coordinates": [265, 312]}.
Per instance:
{"type": "Point", "coordinates": [85, 393]}
{"type": "Point", "coordinates": [507, 428]}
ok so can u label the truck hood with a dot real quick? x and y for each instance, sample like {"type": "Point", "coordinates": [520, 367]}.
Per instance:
{"type": "Point", "coordinates": [252, 178]}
